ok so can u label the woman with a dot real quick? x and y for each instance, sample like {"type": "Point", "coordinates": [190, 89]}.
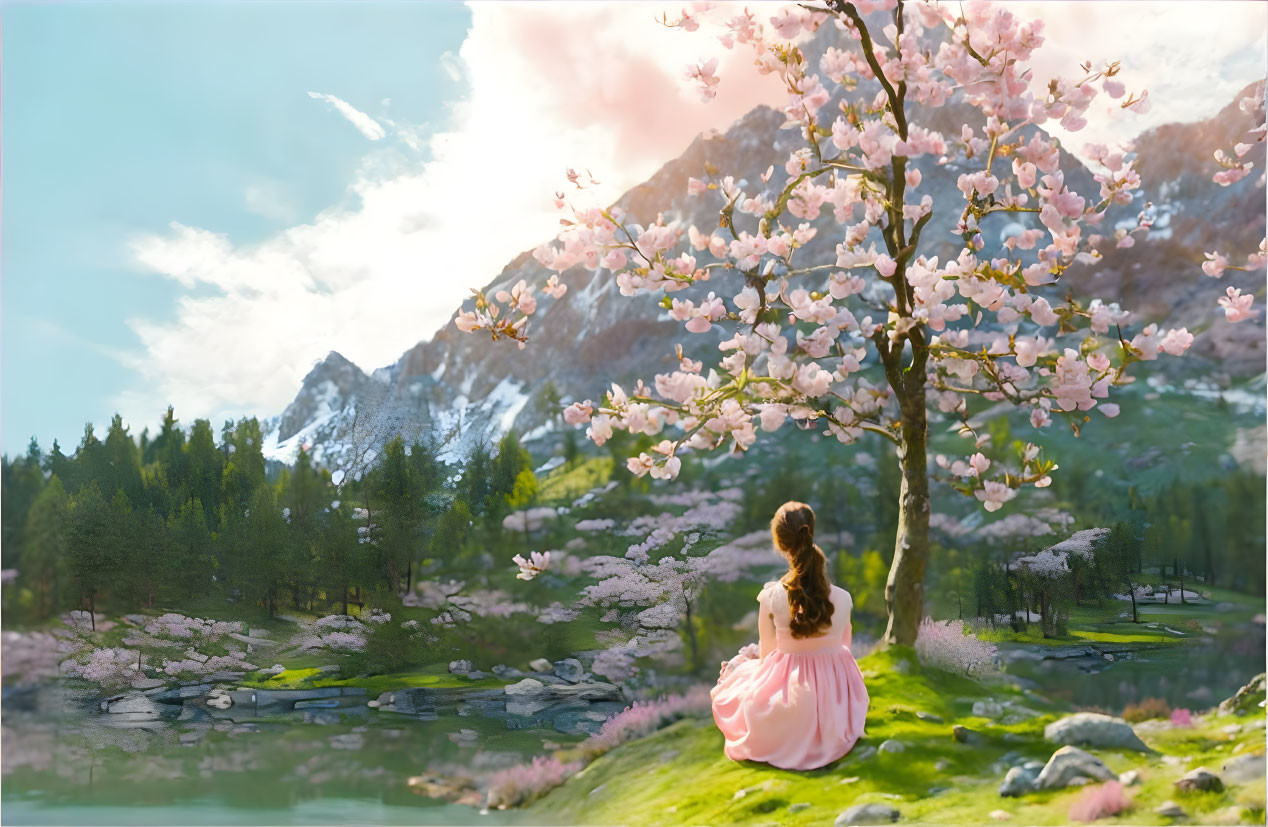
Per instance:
{"type": "Point", "coordinates": [799, 701]}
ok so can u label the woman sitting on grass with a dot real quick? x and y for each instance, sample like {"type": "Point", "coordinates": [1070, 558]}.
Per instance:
{"type": "Point", "coordinates": [797, 699]}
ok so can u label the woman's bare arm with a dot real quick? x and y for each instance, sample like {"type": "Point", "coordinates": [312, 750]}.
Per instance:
{"type": "Point", "coordinates": [765, 627]}
{"type": "Point", "coordinates": [847, 637]}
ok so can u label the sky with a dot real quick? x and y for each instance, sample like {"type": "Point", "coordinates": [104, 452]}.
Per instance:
{"type": "Point", "coordinates": [200, 200]}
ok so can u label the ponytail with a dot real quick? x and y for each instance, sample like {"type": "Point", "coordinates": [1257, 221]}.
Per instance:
{"type": "Point", "coordinates": [809, 597]}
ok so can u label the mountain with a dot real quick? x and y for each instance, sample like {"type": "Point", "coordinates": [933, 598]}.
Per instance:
{"type": "Point", "coordinates": [461, 388]}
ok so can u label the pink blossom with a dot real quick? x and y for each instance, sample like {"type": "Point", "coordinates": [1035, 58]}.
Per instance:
{"type": "Point", "coordinates": [1176, 341]}
{"type": "Point", "coordinates": [1099, 801]}
{"type": "Point", "coordinates": [705, 76]}
{"type": "Point", "coordinates": [949, 646]}
{"type": "Point", "coordinates": [578, 412]}
{"type": "Point", "coordinates": [1237, 307]}
{"type": "Point", "coordinates": [1214, 264]}
{"type": "Point", "coordinates": [554, 288]}
{"type": "Point", "coordinates": [994, 494]}
{"type": "Point", "coordinates": [537, 562]}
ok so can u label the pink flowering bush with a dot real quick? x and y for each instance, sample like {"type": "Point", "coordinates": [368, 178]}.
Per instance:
{"type": "Point", "coordinates": [1181, 718]}
{"type": "Point", "coordinates": [1100, 801]}
{"type": "Point", "coordinates": [521, 784]}
{"type": "Point", "coordinates": [111, 668]}
{"type": "Point", "coordinates": [645, 717]}
{"type": "Point", "coordinates": [946, 644]}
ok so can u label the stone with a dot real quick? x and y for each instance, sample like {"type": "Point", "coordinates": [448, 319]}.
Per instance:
{"type": "Point", "coordinates": [539, 665]}
{"type": "Point", "coordinates": [1069, 763]}
{"type": "Point", "coordinates": [244, 729]}
{"type": "Point", "coordinates": [321, 704]}
{"type": "Point", "coordinates": [964, 735]}
{"type": "Point", "coordinates": [328, 669]}
{"type": "Point", "coordinates": [322, 717]}
{"type": "Point", "coordinates": [929, 716]}
{"type": "Point", "coordinates": [892, 746]}
{"type": "Point", "coordinates": [1244, 769]}
{"type": "Point", "coordinates": [1093, 729]}
{"type": "Point", "coordinates": [1200, 779]}
{"type": "Point", "coordinates": [1170, 809]}
{"type": "Point", "coordinates": [988, 709]}
{"type": "Point", "coordinates": [938, 789]}
{"type": "Point", "coordinates": [1000, 815]}
{"type": "Point", "coordinates": [220, 702]}
{"type": "Point", "coordinates": [867, 814]}
{"type": "Point", "coordinates": [1018, 781]}
{"type": "Point", "coordinates": [283, 698]}
{"type": "Point", "coordinates": [571, 670]}
{"type": "Point", "coordinates": [798, 807]}
{"type": "Point", "coordinates": [373, 704]}
{"type": "Point", "coordinates": [193, 715]}
{"type": "Point", "coordinates": [1130, 778]}
{"type": "Point", "coordinates": [133, 703]}
{"type": "Point", "coordinates": [1247, 698]}
{"type": "Point", "coordinates": [460, 667]}
{"type": "Point", "coordinates": [504, 671]}
{"type": "Point", "coordinates": [347, 740]}
{"type": "Point", "coordinates": [274, 670]}
{"type": "Point", "coordinates": [865, 754]}
{"type": "Point", "coordinates": [942, 765]}
{"type": "Point", "coordinates": [849, 780]}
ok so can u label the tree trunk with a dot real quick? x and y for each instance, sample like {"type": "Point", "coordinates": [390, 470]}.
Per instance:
{"type": "Point", "coordinates": [92, 610]}
{"type": "Point", "coordinates": [345, 600]}
{"type": "Point", "coordinates": [1131, 589]}
{"type": "Point", "coordinates": [1182, 600]}
{"type": "Point", "coordinates": [691, 637]}
{"type": "Point", "coordinates": [904, 589]}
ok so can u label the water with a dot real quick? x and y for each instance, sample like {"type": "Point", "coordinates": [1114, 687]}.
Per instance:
{"type": "Point", "coordinates": [73, 769]}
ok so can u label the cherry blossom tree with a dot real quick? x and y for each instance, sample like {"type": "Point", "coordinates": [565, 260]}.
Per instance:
{"type": "Point", "coordinates": [873, 332]}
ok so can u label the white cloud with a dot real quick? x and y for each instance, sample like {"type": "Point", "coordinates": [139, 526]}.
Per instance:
{"type": "Point", "coordinates": [366, 125]}
{"type": "Point", "coordinates": [549, 86]}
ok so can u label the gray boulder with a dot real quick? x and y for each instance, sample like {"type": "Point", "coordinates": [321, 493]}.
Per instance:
{"type": "Point", "coordinates": [539, 665]}
{"type": "Point", "coordinates": [1247, 698]}
{"type": "Point", "coordinates": [1244, 769]}
{"type": "Point", "coordinates": [570, 669]}
{"type": "Point", "coordinates": [133, 703]}
{"type": "Point", "coordinates": [1200, 779]}
{"type": "Point", "coordinates": [892, 746]}
{"type": "Point", "coordinates": [1170, 809]}
{"type": "Point", "coordinates": [867, 814]}
{"type": "Point", "coordinates": [1020, 779]}
{"type": "Point", "coordinates": [964, 735]}
{"type": "Point", "coordinates": [1093, 729]}
{"type": "Point", "coordinates": [1069, 763]}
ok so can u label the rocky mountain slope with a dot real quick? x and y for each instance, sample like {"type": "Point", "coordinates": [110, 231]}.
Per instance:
{"type": "Point", "coordinates": [458, 388]}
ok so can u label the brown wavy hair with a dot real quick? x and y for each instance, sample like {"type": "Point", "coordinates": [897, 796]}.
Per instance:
{"type": "Point", "coordinates": [809, 594]}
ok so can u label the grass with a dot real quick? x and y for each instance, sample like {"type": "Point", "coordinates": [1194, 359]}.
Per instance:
{"type": "Point", "coordinates": [642, 782]}
{"type": "Point", "coordinates": [433, 676]}
{"type": "Point", "coordinates": [567, 483]}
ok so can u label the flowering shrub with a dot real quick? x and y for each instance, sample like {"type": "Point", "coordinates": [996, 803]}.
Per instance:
{"type": "Point", "coordinates": [947, 645]}
{"type": "Point", "coordinates": [111, 668]}
{"type": "Point", "coordinates": [1100, 801]}
{"type": "Point", "coordinates": [645, 717]}
{"type": "Point", "coordinates": [1146, 709]}
{"type": "Point", "coordinates": [1181, 718]}
{"type": "Point", "coordinates": [523, 783]}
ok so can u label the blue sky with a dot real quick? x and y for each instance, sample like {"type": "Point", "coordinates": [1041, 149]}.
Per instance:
{"type": "Point", "coordinates": [120, 117]}
{"type": "Point", "coordinates": [200, 200]}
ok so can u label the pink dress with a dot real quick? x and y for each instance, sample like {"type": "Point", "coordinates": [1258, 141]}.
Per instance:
{"type": "Point", "coordinates": [802, 706]}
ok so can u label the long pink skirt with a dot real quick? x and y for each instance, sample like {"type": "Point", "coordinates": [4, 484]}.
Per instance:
{"type": "Point", "coordinates": [796, 711]}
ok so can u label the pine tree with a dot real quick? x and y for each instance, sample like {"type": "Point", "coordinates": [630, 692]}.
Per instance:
{"type": "Point", "coordinates": [91, 540]}
{"type": "Point", "coordinates": [44, 549]}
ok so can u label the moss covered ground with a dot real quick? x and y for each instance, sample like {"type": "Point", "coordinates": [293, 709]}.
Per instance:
{"type": "Point", "coordinates": [680, 775]}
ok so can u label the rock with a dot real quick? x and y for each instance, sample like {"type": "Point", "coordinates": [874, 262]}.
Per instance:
{"type": "Point", "coordinates": [148, 683]}
{"type": "Point", "coordinates": [865, 754]}
{"type": "Point", "coordinates": [539, 665]}
{"type": "Point", "coordinates": [373, 704]}
{"type": "Point", "coordinates": [1200, 779]}
{"type": "Point", "coordinates": [133, 703]}
{"type": "Point", "coordinates": [942, 765]}
{"type": "Point", "coordinates": [220, 702]}
{"type": "Point", "coordinates": [892, 746]}
{"type": "Point", "coordinates": [321, 704]}
{"type": "Point", "coordinates": [1130, 778]}
{"type": "Point", "coordinates": [192, 739]}
{"type": "Point", "coordinates": [964, 735]}
{"type": "Point", "coordinates": [193, 715]}
{"type": "Point", "coordinates": [1244, 769]}
{"type": "Point", "coordinates": [1069, 763]}
{"type": "Point", "coordinates": [1018, 781]}
{"type": "Point", "coordinates": [570, 669]}
{"type": "Point", "coordinates": [477, 675]}
{"type": "Point", "coordinates": [1000, 815]}
{"type": "Point", "coordinates": [867, 814]}
{"type": "Point", "coordinates": [937, 790]}
{"type": "Point", "coordinates": [327, 669]}
{"type": "Point", "coordinates": [798, 807]}
{"type": "Point", "coordinates": [244, 729]}
{"type": "Point", "coordinates": [504, 671]}
{"type": "Point", "coordinates": [1231, 729]}
{"type": "Point", "coordinates": [988, 709]}
{"type": "Point", "coordinates": [1094, 730]}
{"type": "Point", "coordinates": [322, 717]}
{"type": "Point", "coordinates": [849, 780]}
{"type": "Point", "coordinates": [929, 716]}
{"type": "Point", "coordinates": [460, 667]}
{"type": "Point", "coordinates": [274, 670]}
{"type": "Point", "coordinates": [1247, 698]}
{"type": "Point", "coordinates": [281, 698]}
{"type": "Point", "coordinates": [1170, 809]}
{"type": "Point", "coordinates": [527, 687]}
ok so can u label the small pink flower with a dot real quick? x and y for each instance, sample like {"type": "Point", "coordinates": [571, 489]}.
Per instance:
{"type": "Point", "coordinates": [1215, 264]}
{"type": "Point", "coordinates": [1237, 307]}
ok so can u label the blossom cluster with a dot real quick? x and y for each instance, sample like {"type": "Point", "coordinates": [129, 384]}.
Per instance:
{"type": "Point", "coordinates": [946, 644]}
